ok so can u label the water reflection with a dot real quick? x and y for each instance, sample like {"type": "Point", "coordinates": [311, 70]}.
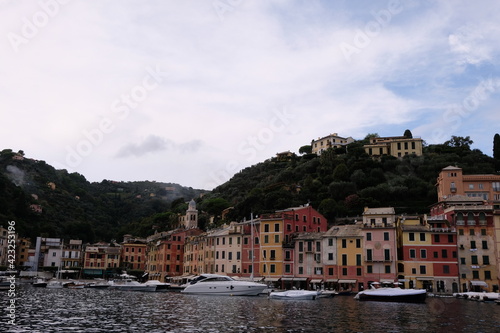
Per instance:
{"type": "Point", "coordinates": [91, 310]}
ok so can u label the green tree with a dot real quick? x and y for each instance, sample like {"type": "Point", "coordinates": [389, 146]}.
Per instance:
{"type": "Point", "coordinates": [305, 149]}
{"type": "Point", "coordinates": [496, 151]}
{"type": "Point", "coordinates": [408, 134]}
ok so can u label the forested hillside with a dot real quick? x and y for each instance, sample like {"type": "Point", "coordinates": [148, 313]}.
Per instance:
{"type": "Point", "coordinates": [341, 182]}
{"type": "Point", "coordinates": [72, 207]}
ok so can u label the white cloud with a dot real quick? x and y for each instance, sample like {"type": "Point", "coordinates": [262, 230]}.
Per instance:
{"type": "Point", "coordinates": [223, 79]}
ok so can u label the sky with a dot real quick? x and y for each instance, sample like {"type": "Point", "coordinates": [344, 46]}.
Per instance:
{"type": "Point", "coordinates": [192, 92]}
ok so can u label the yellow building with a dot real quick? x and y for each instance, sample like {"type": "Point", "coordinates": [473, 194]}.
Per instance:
{"type": "Point", "coordinates": [349, 256]}
{"type": "Point", "coordinates": [415, 264]}
{"type": "Point", "coordinates": [271, 248]}
{"type": "Point", "coordinates": [397, 146]}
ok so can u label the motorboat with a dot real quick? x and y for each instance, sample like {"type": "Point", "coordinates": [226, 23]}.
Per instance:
{"type": "Point", "coordinates": [295, 295]}
{"type": "Point", "coordinates": [327, 293]}
{"type": "Point", "coordinates": [54, 284]}
{"type": "Point", "coordinates": [74, 285]}
{"type": "Point", "coordinates": [392, 294]}
{"type": "Point", "coordinates": [160, 286]}
{"type": "Point", "coordinates": [39, 283]}
{"type": "Point", "coordinates": [131, 285]}
{"type": "Point", "coordinates": [215, 284]}
{"type": "Point", "coordinates": [97, 285]}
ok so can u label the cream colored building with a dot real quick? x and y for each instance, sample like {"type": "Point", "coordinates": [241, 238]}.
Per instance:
{"type": "Point", "coordinates": [330, 141]}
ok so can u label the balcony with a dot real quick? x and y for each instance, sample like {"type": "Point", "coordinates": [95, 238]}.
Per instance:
{"type": "Point", "coordinates": [379, 259]}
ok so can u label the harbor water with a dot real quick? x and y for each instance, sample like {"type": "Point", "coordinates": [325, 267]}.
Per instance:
{"type": "Point", "coordinates": [93, 310]}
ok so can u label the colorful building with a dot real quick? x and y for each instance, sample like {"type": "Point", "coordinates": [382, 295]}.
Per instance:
{"type": "Point", "coordinates": [397, 146]}
{"type": "Point", "coordinates": [380, 247]}
{"type": "Point", "coordinates": [349, 257]}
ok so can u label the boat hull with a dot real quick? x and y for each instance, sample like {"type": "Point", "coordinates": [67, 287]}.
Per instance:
{"type": "Point", "coordinates": [294, 295]}
{"type": "Point", "coordinates": [225, 290]}
{"type": "Point", "coordinates": [409, 298]}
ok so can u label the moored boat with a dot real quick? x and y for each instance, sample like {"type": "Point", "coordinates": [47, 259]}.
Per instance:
{"type": "Point", "coordinates": [294, 295]}
{"type": "Point", "coordinates": [160, 286]}
{"type": "Point", "coordinates": [39, 283]}
{"type": "Point", "coordinates": [54, 284]}
{"type": "Point", "coordinates": [214, 284]}
{"type": "Point", "coordinates": [395, 294]}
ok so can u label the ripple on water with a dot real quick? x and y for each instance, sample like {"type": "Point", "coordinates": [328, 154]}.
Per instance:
{"type": "Point", "coordinates": [89, 310]}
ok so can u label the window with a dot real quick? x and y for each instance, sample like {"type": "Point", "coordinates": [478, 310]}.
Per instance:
{"type": "Point", "coordinates": [473, 245]}
{"type": "Point", "coordinates": [369, 254]}
{"type": "Point", "coordinates": [487, 275]}
{"type": "Point", "coordinates": [423, 270]}
{"type": "Point", "coordinates": [266, 227]}
{"type": "Point", "coordinates": [330, 241]}
{"type": "Point", "coordinates": [450, 239]}
{"type": "Point", "coordinates": [436, 254]}
{"type": "Point", "coordinates": [411, 236]}
{"type": "Point", "coordinates": [369, 269]}
{"type": "Point", "coordinates": [272, 268]}
{"type": "Point", "coordinates": [301, 270]}
{"type": "Point", "coordinates": [413, 271]}
{"type": "Point", "coordinates": [446, 269]}
{"type": "Point", "coordinates": [344, 259]}
{"type": "Point", "coordinates": [387, 269]}
{"type": "Point", "coordinates": [387, 254]}
{"type": "Point", "coordinates": [344, 271]}
{"type": "Point", "coordinates": [436, 238]}
{"type": "Point", "coordinates": [368, 236]}
{"type": "Point", "coordinates": [330, 271]}
{"type": "Point", "coordinates": [344, 243]}
{"type": "Point", "coordinates": [386, 236]}
{"type": "Point", "coordinates": [276, 238]}
{"type": "Point", "coordinates": [423, 253]}
{"type": "Point", "coordinates": [301, 247]}
{"type": "Point", "coordinates": [358, 259]}
{"type": "Point", "coordinates": [266, 239]}
{"type": "Point", "coordinates": [485, 245]}
{"type": "Point", "coordinates": [471, 232]}
{"type": "Point", "coordinates": [413, 253]}
{"type": "Point", "coordinates": [276, 227]}
{"type": "Point", "coordinates": [330, 256]}
{"type": "Point", "coordinates": [474, 260]}
{"type": "Point", "coordinates": [288, 268]}
{"type": "Point", "coordinates": [358, 271]}
{"type": "Point", "coordinates": [444, 253]}
{"type": "Point", "coordinates": [483, 232]}
{"type": "Point", "coordinates": [486, 260]}
{"type": "Point", "coordinates": [318, 246]}
{"type": "Point", "coordinates": [475, 274]}
{"type": "Point", "coordinates": [422, 237]}
{"type": "Point", "coordinates": [461, 232]}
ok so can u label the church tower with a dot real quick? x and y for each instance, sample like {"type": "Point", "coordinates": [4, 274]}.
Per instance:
{"type": "Point", "coordinates": [191, 219]}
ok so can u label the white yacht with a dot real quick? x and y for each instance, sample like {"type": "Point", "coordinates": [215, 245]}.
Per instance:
{"type": "Point", "coordinates": [214, 284]}
{"type": "Point", "coordinates": [295, 294]}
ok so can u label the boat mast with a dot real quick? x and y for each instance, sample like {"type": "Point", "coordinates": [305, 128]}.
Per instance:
{"type": "Point", "coordinates": [251, 241]}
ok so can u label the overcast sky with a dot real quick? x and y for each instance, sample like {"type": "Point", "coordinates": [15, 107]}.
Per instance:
{"type": "Point", "coordinates": [191, 92]}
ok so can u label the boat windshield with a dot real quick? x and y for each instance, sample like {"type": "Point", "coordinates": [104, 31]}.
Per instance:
{"type": "Point", "coordinates": [203, 278]}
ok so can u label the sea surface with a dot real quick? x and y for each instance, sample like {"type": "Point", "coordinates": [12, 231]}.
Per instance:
{"type": "Point", "coordinates": [90, 310]}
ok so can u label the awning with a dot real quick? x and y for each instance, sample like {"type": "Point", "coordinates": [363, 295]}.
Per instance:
{"type": "Point", "coordinates": [288, 279]}
{"type": "Point", "coordinates": [316, 280]}
{"type": "Point", "coordinates": [386, 281]}
{"type": "Point", "coordinates": [347, 281]}
{"type": "Point", "coordinates": [271, 279]}
{"type": "Point", "coordinates": [425, 278]}
{"type": "Point", "coordinates": [331, 280]}
{"type": "Point", "coordinates": [479, 283]}
{"type": "Point", "coordinates": [299, 279]}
